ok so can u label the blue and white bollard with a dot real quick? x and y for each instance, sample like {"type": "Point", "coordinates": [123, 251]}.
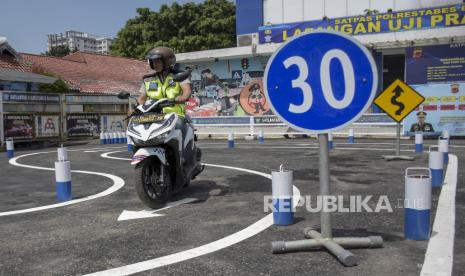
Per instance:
{"type": "Point", "coordinates": [103, 141]}
{"type": "Point", "coordinates": [281, 182]}
{"type": "Point", "coordinates": [419, 142]}
{"type": "Point", "coordinates": [230, 140]}
{"type": "Point", "coordinates": [120, 137]}
{"type": "Point", "coordinates": [130, 144]}
{"type": "Point", "coordinates": [107, 137]}
{"type": "Point", "coordinates": [10, 148]}
{"type": "Point", "coordinates": [125, 138]}
{"type": "Point", "coordinates": [261, 138]}
{"type": "Point", "coordinates": [351, 136]}
{"type": "Point", "coordinates": [114, 138]}
{"type": "Point", "coordinates": [330, 140]}
{"type": "Point", "coordinates": [417, 204]}
{"type": "Point", "coordinates": [443, 146]}
{"type": "Point", "coordinates": [436, 165]}
{"type": "Point", "coordinates": [63, 180]}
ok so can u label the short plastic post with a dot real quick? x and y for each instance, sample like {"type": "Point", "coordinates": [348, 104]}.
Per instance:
{"type": "Point", "coordinates": [107, 138]}
{"type": "Point", "coordinates": [102, 138]}
{"type": "Point", "coordinates": [419, 142]}
{"type": "Point", "coordinates": [330, 140]}
{"type": "Point", "coordinates": [417, 204]}
{"type": "Point", "coordinates": [63, 180]}
{"type": "Point", "coordinates": [261, 138]}
{"type": "Point", "coordinates": [114, 138]}
{"type": "Point", "coordinates": [436, 165]}
{"type": "Point", "coordinates": [129, 143]}
{"type": "Point", "coordinates": [10, 148]}
{"type": "Point", "coordinates": [230, 140]}
{"type": "Point", "coordinates": [443, 146]}
{"type": "Point", "coordinates": [281, 182]}
{"type": "Point", "coordinates": [351, 136]}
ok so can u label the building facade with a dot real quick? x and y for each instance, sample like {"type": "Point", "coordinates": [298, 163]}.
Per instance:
{"type": "Point", "coordinates": [80, 41]}
{"type": "Point", "coordinates": [421, 42]}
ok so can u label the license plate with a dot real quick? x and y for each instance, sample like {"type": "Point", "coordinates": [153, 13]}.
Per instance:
{"type": "Point", "coordinates": [148, 119]}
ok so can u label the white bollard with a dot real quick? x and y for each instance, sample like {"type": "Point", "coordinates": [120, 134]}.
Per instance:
{"type": "Point", "coordinates": [330, 140]}
{"type": "Point", "coordinates": [10, 148]}
{"type": "Point", "coordinates": [230, 140]}
{"type": "Point", "coordinates": [419, 141]}
{"type": "Point", "coordinates": [443, 146]}
{"type": "Point", "coordinates": [436, 165]}
{"type": "Point", "coordinates": [417, 204]}
{"type": "Point", "coordinates": [281, 182]}
{"type": "Point", "coordinates": [63, 180]}
{"type": "Point", "coordinates": [261, 139]}
{"type": "Point", "coordinates": [351, 136]}
{"type": "Point", "coordinates": [62, 154]}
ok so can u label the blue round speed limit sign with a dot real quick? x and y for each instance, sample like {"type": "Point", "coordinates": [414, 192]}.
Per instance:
{"type": "Point", "coordinates": [320, 81]}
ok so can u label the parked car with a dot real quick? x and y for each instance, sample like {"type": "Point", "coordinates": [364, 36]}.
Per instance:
{"type": "Point", "coordinates": [19, 130]}
{"type": "Point", "coordinates": [83, 129]}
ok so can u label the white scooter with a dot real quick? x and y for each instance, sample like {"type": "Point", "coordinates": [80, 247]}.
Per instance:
{"type": "Point", "coordinates": [166, 158]}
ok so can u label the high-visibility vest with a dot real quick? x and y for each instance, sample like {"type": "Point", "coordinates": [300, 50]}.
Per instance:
{"type": "Point", "coordinates": [157, 90]}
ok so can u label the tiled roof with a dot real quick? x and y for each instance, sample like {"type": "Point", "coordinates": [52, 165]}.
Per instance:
{"type": "Point", "coordinates": [9, 62]}
{"type": "Point", "coordinates": [92, 73]}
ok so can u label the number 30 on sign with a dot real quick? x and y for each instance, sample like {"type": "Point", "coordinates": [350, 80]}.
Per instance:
{"type": "Point", "coordinates": [320, 81]}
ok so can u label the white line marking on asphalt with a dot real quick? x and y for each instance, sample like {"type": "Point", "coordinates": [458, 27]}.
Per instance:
{"type": "Point", "coordinates": [439, 256]}
{"type": "Point", "coordinates": [99, 150]}
{"type": "Point", "coordinates": [227, 241]}
{"type": "Point", "coordinates": [118, 183]}
{"type": "Point", "coordinates": [107, 155]}
{"type": "Point", "coordinates": [310, 147]}
{"type": "Point", "coordinates": [128, 215]}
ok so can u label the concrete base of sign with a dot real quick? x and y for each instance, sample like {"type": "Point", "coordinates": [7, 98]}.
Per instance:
{"type": "Point", "coordinates": [334, 245]}
{"type": "Point", "coordinates": [398, 157]}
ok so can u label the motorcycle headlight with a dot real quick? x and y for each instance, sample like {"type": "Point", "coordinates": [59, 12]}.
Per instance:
{"type": "Point", "coordinates": [159, 139]}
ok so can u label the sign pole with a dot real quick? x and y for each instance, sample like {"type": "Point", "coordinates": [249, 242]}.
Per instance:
{"type": "Point", "coordinates": [398, 140]}
{"type": "Point", "coordinates": [398, 156]}
{"type": "Point", "coordinates": [325, 189]}
{"type": "Point", "coordinates": [279, 80]}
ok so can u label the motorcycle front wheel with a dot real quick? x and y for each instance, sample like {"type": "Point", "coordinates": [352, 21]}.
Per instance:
{"type": "Point", "coordinates": [153, 183]}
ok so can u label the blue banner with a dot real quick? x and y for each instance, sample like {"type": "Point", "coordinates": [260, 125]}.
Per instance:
{"type": "Point", "coordinates": [450, 16]}
{"type": "Point", "coordinates": [438, 63]}
{"type": "Point", "coordinates": [444, 109]}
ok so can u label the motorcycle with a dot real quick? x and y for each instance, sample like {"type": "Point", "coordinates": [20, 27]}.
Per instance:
{"type": "Point", "coordinates": [165, 156]}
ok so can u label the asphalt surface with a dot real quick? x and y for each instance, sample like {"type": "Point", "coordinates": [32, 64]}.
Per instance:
{"type": "Point", "coordinates": [86, 237]}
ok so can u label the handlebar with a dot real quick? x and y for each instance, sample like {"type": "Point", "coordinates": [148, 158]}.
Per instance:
{"type": "Point", "coordinates": [163, 104]}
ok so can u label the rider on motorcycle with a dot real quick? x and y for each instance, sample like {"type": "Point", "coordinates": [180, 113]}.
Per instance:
{"type": "Point", "coordinates": [160, 85]}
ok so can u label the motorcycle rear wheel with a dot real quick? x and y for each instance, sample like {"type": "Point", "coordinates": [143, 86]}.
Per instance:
{"type": "Point", "coordinates": [152, 190]}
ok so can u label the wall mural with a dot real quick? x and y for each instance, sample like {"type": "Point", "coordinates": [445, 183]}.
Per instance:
{"type": "Point", "coordinates": [228, 88]}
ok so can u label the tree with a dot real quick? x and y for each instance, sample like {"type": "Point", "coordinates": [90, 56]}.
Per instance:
{"type": "Point", "coordinates": [58, 51]}
{"type": "Point", "coordinates": [59, 86]}
{"type": "Point", "coordinates": [185, 28]}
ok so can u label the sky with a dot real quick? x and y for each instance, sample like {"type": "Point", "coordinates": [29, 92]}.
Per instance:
{"type": "Point", "coordinates": [26, 23]}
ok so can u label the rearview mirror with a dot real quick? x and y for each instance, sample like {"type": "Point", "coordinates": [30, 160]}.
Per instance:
{"type": "Point", "coordinates": [123, 95]}
{"type": "Point", "coordinates": [179, 77]}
